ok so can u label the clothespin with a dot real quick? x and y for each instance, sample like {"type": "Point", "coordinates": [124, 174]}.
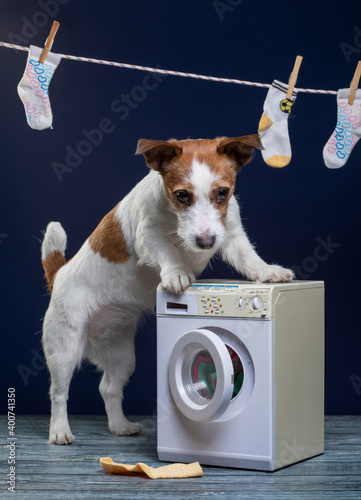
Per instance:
{"type": "Point", "coordinates": [49, 41]}
{"type": "Point", "coordinates": [354, 84]}
{"type": "Point", "coordinates": [293, 78]}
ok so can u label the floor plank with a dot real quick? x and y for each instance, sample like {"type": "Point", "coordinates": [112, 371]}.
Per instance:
{"type": "Point", "coordinates": [46, 471]}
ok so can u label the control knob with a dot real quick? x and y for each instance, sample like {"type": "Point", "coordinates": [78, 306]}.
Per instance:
{"type": "Point", "coordinates": [256, 303]}
{"type": "Point", "coordinates": [240, 303]}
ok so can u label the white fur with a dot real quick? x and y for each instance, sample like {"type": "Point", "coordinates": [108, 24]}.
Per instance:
{"type": "Point", "coordinates": [54, 240]}
{"type": "Point", "coordinates": [201, 177]}
{"type": "Point", "coordinates": [95, 304]}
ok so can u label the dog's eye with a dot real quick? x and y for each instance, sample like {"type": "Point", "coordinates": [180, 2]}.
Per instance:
{"type": "Point", "coordinates": [222, 194]}
{"type": "Point", "coordinates": [183, 196]}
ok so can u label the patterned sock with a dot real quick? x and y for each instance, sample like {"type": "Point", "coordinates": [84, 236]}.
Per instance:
{"type": "Point", "coordinates": [33, 88]}
{"type": "Point", "coordinates": [273, 126]}
{"type": "Point", "coordinates": [347, 131]}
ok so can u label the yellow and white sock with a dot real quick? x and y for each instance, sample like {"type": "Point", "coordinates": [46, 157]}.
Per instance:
{"type": "Point", "coordinates": [273, 126]}
{"type": "Point", "coordinates": [173, 471]}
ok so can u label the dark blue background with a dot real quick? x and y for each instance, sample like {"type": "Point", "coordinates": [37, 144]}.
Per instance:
{"type": "Point", "coordinates": [287, 212]}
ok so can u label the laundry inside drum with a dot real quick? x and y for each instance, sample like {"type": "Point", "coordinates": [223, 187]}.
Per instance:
{"type": "Point", "coordinates": [204, 375]}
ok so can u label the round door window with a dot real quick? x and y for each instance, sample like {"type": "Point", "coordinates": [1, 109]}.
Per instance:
{"type": "Point", "coordinates": [203, 374]}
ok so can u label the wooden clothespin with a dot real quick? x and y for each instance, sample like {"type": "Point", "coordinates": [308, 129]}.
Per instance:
{"type": "Point", "coordinates": [293, 78]}
{"type": "Point", "coordinates": [49, 41]}
{"type": "Point", "coordinates": [354, 84]}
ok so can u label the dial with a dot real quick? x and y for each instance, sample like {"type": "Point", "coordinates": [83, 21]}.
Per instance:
{"type": "Point", "coordinates": [240, 303]}
{"type": "Point", "coordinates": [256, 303]}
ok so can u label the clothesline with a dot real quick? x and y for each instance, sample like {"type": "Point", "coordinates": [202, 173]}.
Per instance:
{"type": "Point", "coordinates": [167, 72]}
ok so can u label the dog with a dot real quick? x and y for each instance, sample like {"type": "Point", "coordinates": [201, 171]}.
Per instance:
{"type": "Point", "coordinates": [166, 230]}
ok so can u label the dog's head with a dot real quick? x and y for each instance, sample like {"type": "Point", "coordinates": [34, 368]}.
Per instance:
{"type": "Point", "coordinates": [199, 179]}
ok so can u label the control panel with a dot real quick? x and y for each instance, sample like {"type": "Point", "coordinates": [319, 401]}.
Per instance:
{"type": "Point", "coordinates": [229, 298]}
{"type": "Point", "coordinates": [232, 300]}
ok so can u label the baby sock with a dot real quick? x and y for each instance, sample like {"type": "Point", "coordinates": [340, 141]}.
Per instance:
{"type": "Point", "coordinates": [347, 131]}
{"type": "Point", "coordinates": [273, 126]}
{"type": "Point", "coordinates": [33, 88]}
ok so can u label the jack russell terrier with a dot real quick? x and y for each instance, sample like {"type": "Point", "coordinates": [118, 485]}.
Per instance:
{"type": "Point", "coordinates": [165, 230]}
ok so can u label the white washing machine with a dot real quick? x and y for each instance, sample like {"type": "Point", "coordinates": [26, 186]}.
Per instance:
{"type": "Point", "coordinates": [240, 373]}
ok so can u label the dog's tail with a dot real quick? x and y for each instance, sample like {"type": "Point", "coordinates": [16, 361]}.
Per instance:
{"type": "Point", "coordinates": [52, 252]}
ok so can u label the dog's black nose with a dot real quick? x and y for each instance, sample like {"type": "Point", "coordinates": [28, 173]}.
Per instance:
{"type": "Point", "coordinates": [207, 242]}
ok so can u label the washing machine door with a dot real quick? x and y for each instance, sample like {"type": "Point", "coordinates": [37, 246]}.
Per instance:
{"type": "Point", "coordinates": [201, 375]}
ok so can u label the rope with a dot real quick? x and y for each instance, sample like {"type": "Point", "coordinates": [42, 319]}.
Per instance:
{"type": "Point", "coordinates": [167, 71]}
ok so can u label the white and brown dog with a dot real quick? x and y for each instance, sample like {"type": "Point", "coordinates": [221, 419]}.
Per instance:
{"type": "Point", "coordinates": [165, 231]}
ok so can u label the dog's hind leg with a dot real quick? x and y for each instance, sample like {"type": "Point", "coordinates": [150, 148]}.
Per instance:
{"type": "Point", "coordinates": [117, 360]}
{"type": "Point", "coordinates": [63, 348]}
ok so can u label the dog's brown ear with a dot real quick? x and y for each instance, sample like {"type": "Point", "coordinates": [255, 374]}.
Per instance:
{"type": "Point", "coordinates": [240, 148]}
{"type": "Point", "coordinates": [158, 153]}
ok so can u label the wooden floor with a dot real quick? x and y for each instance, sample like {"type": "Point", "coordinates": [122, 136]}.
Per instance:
{"type": "Point", "coordinates": [70, 472]}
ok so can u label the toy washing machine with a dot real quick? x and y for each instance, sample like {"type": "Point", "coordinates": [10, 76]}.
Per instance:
{"type": "Point", "coordinates": [240, 373]}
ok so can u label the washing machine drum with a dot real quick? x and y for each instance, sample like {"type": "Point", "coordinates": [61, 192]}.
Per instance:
{"type": "Point", "coordinates": [205, 374]}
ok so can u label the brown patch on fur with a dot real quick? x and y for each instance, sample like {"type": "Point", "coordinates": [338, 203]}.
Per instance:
{"type": "Point", "coordinates": [52, 264]}
{"type": "Point", "coordinates": [108, 239]}
{"type": "Point", "coordinates": [221, 205]}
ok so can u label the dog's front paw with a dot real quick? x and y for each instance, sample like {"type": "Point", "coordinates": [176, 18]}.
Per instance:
{"type": "Point", "coordinates": [274, 274]}
{"type": "Point", "coordinates": [176, 280]}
